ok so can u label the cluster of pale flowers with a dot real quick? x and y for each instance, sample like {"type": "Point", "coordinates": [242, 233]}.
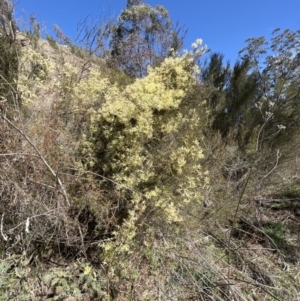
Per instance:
{"type": "Point", "coordinates": [198, 48]}
{"type": "Point", "coordinates": [268, 114]}
{"type": "Point", "coordinates": [197, 44]}
{"type": "Point", "coordinates": [281, 127]}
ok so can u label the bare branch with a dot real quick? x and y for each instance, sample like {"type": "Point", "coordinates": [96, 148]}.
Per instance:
{"type": "Point", "coordinates": [1, 229]}
{"type": "Point", "coordinates": [39, 155]}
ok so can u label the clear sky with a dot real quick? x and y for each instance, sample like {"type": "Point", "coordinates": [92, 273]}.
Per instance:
{"type": "Point", "coordinates": [223, 25]}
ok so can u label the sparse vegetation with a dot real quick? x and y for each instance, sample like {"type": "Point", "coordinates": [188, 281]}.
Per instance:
{"type": "Point", "coordinates": [179, 181]}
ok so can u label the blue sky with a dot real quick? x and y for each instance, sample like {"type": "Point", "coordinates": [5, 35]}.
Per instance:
{"type": "Point", "coordinates": [223, 25]}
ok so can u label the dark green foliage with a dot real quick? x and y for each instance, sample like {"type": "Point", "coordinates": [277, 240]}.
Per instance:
{"type": "Point", "coordinates": [216, 75]}
{"type": "Point", "coordinates": [291, 192]}
{"type": "Point", "coordinates": [238, 101]}
{"type": "Point", "coordinates": [215, 72]}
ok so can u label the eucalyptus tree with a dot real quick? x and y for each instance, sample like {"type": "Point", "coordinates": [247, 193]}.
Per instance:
{"type": "Point", "coordinates": [276, 65]}
{"type": "Point", "coordinates": [143, 36]}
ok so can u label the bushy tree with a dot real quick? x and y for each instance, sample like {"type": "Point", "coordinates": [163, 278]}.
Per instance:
{"type": "Point", "coordinates": [275, 64]}
{"type": "Point", "coordinates": [262, 86]}
{"type": "Point", "coordinates": [145, 139]}
{"type": "Point", "coordinates": [143, 36]}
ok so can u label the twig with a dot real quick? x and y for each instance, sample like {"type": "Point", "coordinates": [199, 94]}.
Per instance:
{"type": "Point", "coordinates": [5, 237]}
{"type": "Point", "coordinates": [261, 286]}
{"type": "Point", "coordinates": [10, 85]}
{"type": "Point", "coordinates": [31, 217]}
{"type": "Point", "coordinates": [119, 185]}
{"type": "Point", "coordinates": [42, 184]}
{"type": "Point", "coordinates": [264, 233]}
{"type": "Point", "coordinates": [234, 221]}
{"type": "Point", "coordinates": [278, 155]}
{"type": "Point", "coordinates": [13, 90]}
{"type": "Point", "coordinates": [18, 154]}
{"type": "Point", "coordinates": [267, 118]}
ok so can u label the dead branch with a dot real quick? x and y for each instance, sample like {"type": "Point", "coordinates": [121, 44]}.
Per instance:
{"type": "Point", "coordinates": [39, 155]}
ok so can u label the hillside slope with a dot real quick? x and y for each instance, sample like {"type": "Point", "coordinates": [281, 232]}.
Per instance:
{"type": "Point", "coordinates": [114, 188]}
